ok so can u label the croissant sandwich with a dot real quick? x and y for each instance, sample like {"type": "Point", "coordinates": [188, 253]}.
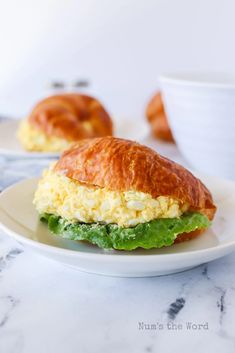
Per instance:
{"type": "Point", "coordinates": [58, 121]}
{"type": "Point", "coordinates": [157, 118]}
{"type": "Point", "coordinates": [121, 195]}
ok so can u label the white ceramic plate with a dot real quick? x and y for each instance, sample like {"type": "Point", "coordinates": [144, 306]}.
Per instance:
{"type": "Point", "coordinates": [11, 147]}
{"type": "Point", "coordinates": [19, 219]}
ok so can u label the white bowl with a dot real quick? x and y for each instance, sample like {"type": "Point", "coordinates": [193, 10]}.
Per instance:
{"type": "Point", "coordinates": [201, 112]}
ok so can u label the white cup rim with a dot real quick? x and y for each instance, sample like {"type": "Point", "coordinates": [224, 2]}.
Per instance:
{"type": "Point", "coordinates": [206, 79]}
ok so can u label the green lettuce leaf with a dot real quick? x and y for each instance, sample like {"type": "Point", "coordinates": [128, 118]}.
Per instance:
{"type": "Point", "coordinates": [154, 234]}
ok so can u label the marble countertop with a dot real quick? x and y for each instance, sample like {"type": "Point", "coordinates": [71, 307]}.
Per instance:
{"type": "Point", "coordinates": [46, 307]}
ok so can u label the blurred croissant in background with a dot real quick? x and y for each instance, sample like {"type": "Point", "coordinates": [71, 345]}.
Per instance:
{"type": "Point", "coordinates": [59, 120]}
{"type": "Point", "coordinates": [157, 118]}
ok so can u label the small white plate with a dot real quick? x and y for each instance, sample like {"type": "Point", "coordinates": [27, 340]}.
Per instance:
{"type": "Point", "coordinates": [19, 219]}
{"type": "Point", "coordinates": [11, 147]}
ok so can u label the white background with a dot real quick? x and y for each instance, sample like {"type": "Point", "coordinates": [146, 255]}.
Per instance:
{"type": "Point", "coordinates": [121, 46]}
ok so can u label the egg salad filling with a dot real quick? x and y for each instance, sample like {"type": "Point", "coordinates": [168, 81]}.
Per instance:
{"type": "Point", "coordinates": [111, 219]}
{"type": "Point", "coordinates": [76, 202]}
{"type": "Point", "coordinates": [33, 139]}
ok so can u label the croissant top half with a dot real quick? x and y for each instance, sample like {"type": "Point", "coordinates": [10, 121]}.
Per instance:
{"type": "Point", "coordinates": [71, 116]}
{"type": "Point", "coordinates": [123, 165]}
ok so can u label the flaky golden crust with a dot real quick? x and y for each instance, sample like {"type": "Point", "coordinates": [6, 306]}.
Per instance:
{"type": "Point", "coordinates": [123, 165]}
{"type": "Point", "coordinates": [71, 116]}
{"type": "Point", "coordinates": [157, 118]}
